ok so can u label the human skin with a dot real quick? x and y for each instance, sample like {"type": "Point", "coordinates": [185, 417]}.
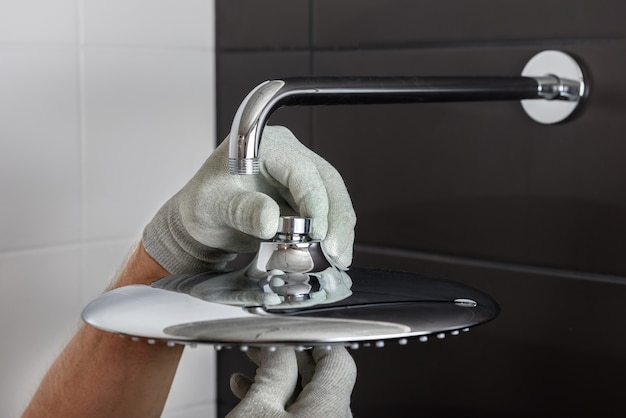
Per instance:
{"type": "Point", "coordinates": [101, 375]}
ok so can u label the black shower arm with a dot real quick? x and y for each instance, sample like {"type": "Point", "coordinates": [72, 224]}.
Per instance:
{"type": "Point", "coordinates": [261, 102]}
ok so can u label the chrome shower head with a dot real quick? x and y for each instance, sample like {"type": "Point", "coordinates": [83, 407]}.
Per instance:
{"type": "Point", "coordinates": [291, 294]}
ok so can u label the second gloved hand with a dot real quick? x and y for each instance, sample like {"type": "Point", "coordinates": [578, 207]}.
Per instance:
{"type": "Point", "coordinates": [315, 383]}
{"type": "Point", "coordinates": [218, 214]}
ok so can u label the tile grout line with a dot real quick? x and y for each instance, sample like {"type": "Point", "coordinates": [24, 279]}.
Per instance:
{"type": "Point", "coordinates": [427, 45]}
{"type": "Point", "coordinates": [81, 135]}
{"type": "Point", "coordinates": [488, 263]}
{"type": "Point", "coordinates": [131, 239]}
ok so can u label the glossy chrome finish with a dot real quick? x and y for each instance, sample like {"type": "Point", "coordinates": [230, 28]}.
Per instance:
{"type": "Point", "coordinates": [294, 228]}
{"type": "Point", "coordinates": [569, 87]}
{"type": "Point", "coordinates": [290, 270]}
{"type": "Point", "coordinates": [383, 306]}
{"type": "Point", "coordinates": [247, 128]}
{"type": "Point", "coordinates": [290, 294]}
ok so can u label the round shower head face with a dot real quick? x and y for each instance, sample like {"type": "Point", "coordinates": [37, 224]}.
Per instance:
{"type": "Point", "coordinates": [291, 294]}
{"type": "Point", "coordinates": [383, 306]}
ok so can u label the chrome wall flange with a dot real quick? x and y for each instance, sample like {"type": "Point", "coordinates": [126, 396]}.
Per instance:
{"type": "Point", "coordinates": [567, 93]}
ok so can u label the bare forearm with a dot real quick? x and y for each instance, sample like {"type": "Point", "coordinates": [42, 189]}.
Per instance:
{"type": "Point", "coordinates": [102, 375]}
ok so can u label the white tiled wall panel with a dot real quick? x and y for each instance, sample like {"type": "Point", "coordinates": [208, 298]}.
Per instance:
{"type": "Point", "coordinates": [40, 147]}
{"type": "Point", "coordinates": [186, 23]}
{"type": "Point", "coordinates": [38, 21]}
{"type": "Point", "coordinates": [146, 127]}
{"type": "Point", "coordinates": [106, 110]}
{"type": "Point", "coordinates": [192, 401]}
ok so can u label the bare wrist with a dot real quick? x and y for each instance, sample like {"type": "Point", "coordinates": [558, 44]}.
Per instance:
{"type": "Point", "coordinates": [140, 268]}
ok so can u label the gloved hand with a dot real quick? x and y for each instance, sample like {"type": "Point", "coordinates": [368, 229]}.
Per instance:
{"type": "Point", "coordinates": [327, 380]}
{"type": "Point", "coordinates": [218, 214]}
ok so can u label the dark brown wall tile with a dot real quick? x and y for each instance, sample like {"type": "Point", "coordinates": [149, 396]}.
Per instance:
{"type": "Point", "coordinates": [267, 24]}
{"type": "Point", "coordinates": [397, 23]}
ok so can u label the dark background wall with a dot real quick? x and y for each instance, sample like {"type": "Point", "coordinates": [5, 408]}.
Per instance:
{"type": "Point", "coordinates": [478, 193]}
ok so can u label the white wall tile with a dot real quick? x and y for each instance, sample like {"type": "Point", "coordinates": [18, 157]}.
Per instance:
{"type": "Point", "coordinates": [186, 23]}
{"type": "Point", "coordinates": [38, 21]}
{"type": "Point", "coordinates": [39, 310]}
{"type": "Point", "coordinates": [194, 411]}
{"type": "Point", "coordinates": [148, 127]}
{"type": "Point", "coordinates": [39, 147]}
{"type": "Point", "coordinates": [194, 386]}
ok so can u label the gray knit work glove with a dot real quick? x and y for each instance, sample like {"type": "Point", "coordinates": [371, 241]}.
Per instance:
{"type": "Point", "coordinates": [218, 214]}
{"type": "Point", "coordinates": [327, 379]}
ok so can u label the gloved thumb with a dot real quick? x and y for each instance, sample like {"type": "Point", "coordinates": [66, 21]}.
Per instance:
{"type": "Point", "coordinates": [242, 218]}
{"type": "Point", "coordinates": [253, 213]}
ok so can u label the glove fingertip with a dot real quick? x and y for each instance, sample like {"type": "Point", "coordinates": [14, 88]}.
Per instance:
{"type": "Point", "coordinates": [340, 252]}
{"type": "Point", "coordinates": [319, 228]}
{"type": "Point", "coordinates": [344, 260]}
{"type": "Point", "coordinates": [240, 385]}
